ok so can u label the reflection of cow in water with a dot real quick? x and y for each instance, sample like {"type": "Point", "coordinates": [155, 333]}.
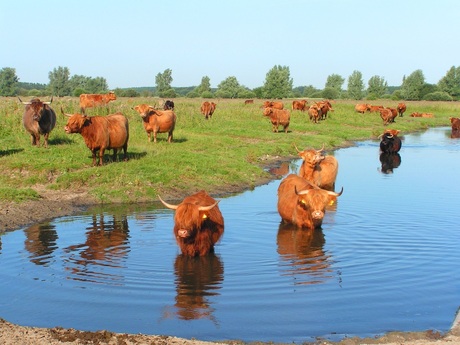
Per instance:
{"type": "Point", "coordinates": [389, 162]}
{"type": "Point", "coordinates": [41, 242]}
{"type": "Point", "coordinates": [390, 144]}
{"type": "Point", "coordinates": [302, 254]}
{"type": "Point", "coordinates": [197, 279]}
{"type": "Point", "coordinates": [105, 246]}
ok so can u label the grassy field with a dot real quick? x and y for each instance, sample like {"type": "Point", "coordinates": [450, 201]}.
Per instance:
{"type": "Point", "coordinates": [219, 155]}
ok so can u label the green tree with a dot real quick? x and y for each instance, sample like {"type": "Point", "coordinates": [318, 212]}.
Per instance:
{"type": "Point", "coordinates": [205, 86]}
{"type": "Point", "coordinates": [355, 85]}
{"type": "Point", "coordinates": [335, 81]}
{"type": "Point", "coordinates": [278, 82]}
{"type": "Point", "coordinates": [377, 87]}
{"type": "Point", "coordinates": [163, 82]}
{"type": "Point", "coordinates": [8, 82]}
{"type": "Point", "coordinates": [59, 84]}
{"type": "Point", "coordinates": [450, 83]}
{"type": "Point", "coordinates": [228, 88]}
{"type": "Point", "coordinates": [412, 86]}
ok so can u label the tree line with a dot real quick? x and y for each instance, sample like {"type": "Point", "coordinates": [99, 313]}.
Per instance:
{"type": "Point", "coordinates": [278, 84]}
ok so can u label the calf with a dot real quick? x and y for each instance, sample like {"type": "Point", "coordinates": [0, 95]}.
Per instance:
{"type": "Point", "coordinates": [278, 118]}
{"type": "Point", "coordinates": [207, 109]}
{"type": "Point", "coordinates": [401, 109]}
{"type": "Point", "coordinates": [362, 108]}
{"type": "Point", "coordinates": [302, 203]}
{"type": "Point", "coordinates": [157, 121]}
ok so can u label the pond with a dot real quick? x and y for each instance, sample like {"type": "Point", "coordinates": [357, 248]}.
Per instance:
{"type": "Point", "coordinates": [386, 259]}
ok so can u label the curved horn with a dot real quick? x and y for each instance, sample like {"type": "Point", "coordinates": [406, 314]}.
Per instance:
{"type": "Point", "coordinates": [62, 111]}
{"type": "Point", "coordinates": [321, 149]}
{"type": "Point", "coordinates": [207, 208]}
{"type": "Point", "coordinates": [302, 192]}
{"type": "Point", "coordinates": [48, 103]}
{"type": "Point", "coordinates": [25, 103]}
{"type": "Point", "coordinates": [171, 206]}
{"type": "Point", "coordinates": [298, 151]}
{"type": "Point", "coordinates": [336, 194]}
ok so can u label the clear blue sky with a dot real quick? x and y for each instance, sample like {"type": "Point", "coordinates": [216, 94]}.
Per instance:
{"type": "Point", "coordinates": [129, 42]}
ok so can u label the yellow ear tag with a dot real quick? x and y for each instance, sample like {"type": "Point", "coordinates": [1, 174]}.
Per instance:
{"type": "Point", "coordinates": [204, 216]}
{"type": "Point", "coordinates": [303, 201]}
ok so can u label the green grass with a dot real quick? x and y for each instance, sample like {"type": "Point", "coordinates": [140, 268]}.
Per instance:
{"type": "Point", "coordinates": [217, 155]}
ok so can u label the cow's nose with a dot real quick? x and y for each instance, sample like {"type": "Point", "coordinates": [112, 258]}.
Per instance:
{"type": "Point", "coordinates": [183, 233]}
{"type": "Point", "coordinates": [317, 215]}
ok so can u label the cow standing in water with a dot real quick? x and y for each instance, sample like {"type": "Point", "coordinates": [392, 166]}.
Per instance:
{"type": "Point", "coordinates": [302, 203]}
{"type": "Point", "coordinates": [38, 119]}
{"type": "Point", "coordinates": [198, 224]}
{"type": "Point", "coordinates": [317, 168]}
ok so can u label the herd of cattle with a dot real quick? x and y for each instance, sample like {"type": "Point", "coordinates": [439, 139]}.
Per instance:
{"type": "Point", "coordinates": [198, 221]}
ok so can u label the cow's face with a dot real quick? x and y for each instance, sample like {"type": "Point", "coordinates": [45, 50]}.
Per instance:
{"type": "Point", "coordinates": [111, 96]}
{"type": "Point", "coordinates": [189, 220]}
{"type": "Point", "coordinates": [311, 157]}
{"type": "Point", "coordinates": [314, 202]}
{"type": "Point", "coordinates": [36, 108]}
{"type": "Point", "coordinates": [75, 123]}
{"type": "Point", "coordinates": [144, 110]}
{"type": "Point", "coordinates": [268, 111]}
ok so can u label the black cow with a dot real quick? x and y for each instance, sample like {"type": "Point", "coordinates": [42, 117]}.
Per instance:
{"type": "Point", "coordinates": [169, 105]}
{"type": "Point", "coordinates": [38, 119]}
{"type": "Point", "coordinates": [390, 142]}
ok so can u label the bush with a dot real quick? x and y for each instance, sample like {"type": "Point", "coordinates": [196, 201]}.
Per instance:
{"type": "Point", "coordinates": [207, 94]}
{"type": "Point", "coordinates": [438, 96]}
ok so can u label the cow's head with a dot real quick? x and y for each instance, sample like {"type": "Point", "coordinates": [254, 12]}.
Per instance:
{"type": "Point", "coordinates": [111, 96]}
{"type": "Point", "coordinates": [189, 217]}
{"type": "Point", "coordinates": [36, 107]}
{"type": "Point", "coordinates": [75, 122]}
{"type": "Point", "coordinates": [311, 157]}
{"type": "Point", "coordinates": [268, 111]}
{"type": "Point", "coordinates": [145, 110]}
{"type": "Point", "coordinates": [314, 200]}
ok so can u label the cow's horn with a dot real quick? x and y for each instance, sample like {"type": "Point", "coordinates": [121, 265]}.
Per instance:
{"type": "Point", "coordinates": [302, 192]}
{"type": "Point", "coordinates": [298, 151]}
{"type": "Point", "coordinates": [336, 194]}
{"type": "Point", "coordinates": [48, 103]}
{"type": "Point", "coordinates": [207, 208]}
{"type": "Point", "coordinates": [321, 149]}
{"type": "Point", "coordinates": [62, 111]}
{"type": "Point", "coordinates": [25, 103]}
{"type": "Point", "coordinates": [171, 206]}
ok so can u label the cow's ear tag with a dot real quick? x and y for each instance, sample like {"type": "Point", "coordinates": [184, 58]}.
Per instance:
{"type": "Point", "coordinates": [303, 201]}
{"type": "Point", "coordinates": [205, 216]}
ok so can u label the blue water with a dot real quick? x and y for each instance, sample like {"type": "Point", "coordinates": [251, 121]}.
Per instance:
{"type": "Point", "coordinates": [385, 259]}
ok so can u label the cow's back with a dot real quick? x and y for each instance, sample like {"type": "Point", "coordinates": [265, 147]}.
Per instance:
{"type": "Point", "coordinates": [118, 130]}
{"type": "Point", "coordinates": [287, 197]}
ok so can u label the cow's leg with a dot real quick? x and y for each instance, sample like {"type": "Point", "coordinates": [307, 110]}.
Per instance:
{"type": "Point", "coordinates": [45, 136]}
{"type": "Point", "coordinates": [125, 152]}
{"type": "Point", "coordinates": [154, 136]}
{"type": "Point", "coordinates": [170, 136]}
{"type": "Point", "coordinates": [114, 157]}
{"type": "Point", "coordinates": [94, 157]}
{"type": "Point", "coordinates": [101, 156]}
